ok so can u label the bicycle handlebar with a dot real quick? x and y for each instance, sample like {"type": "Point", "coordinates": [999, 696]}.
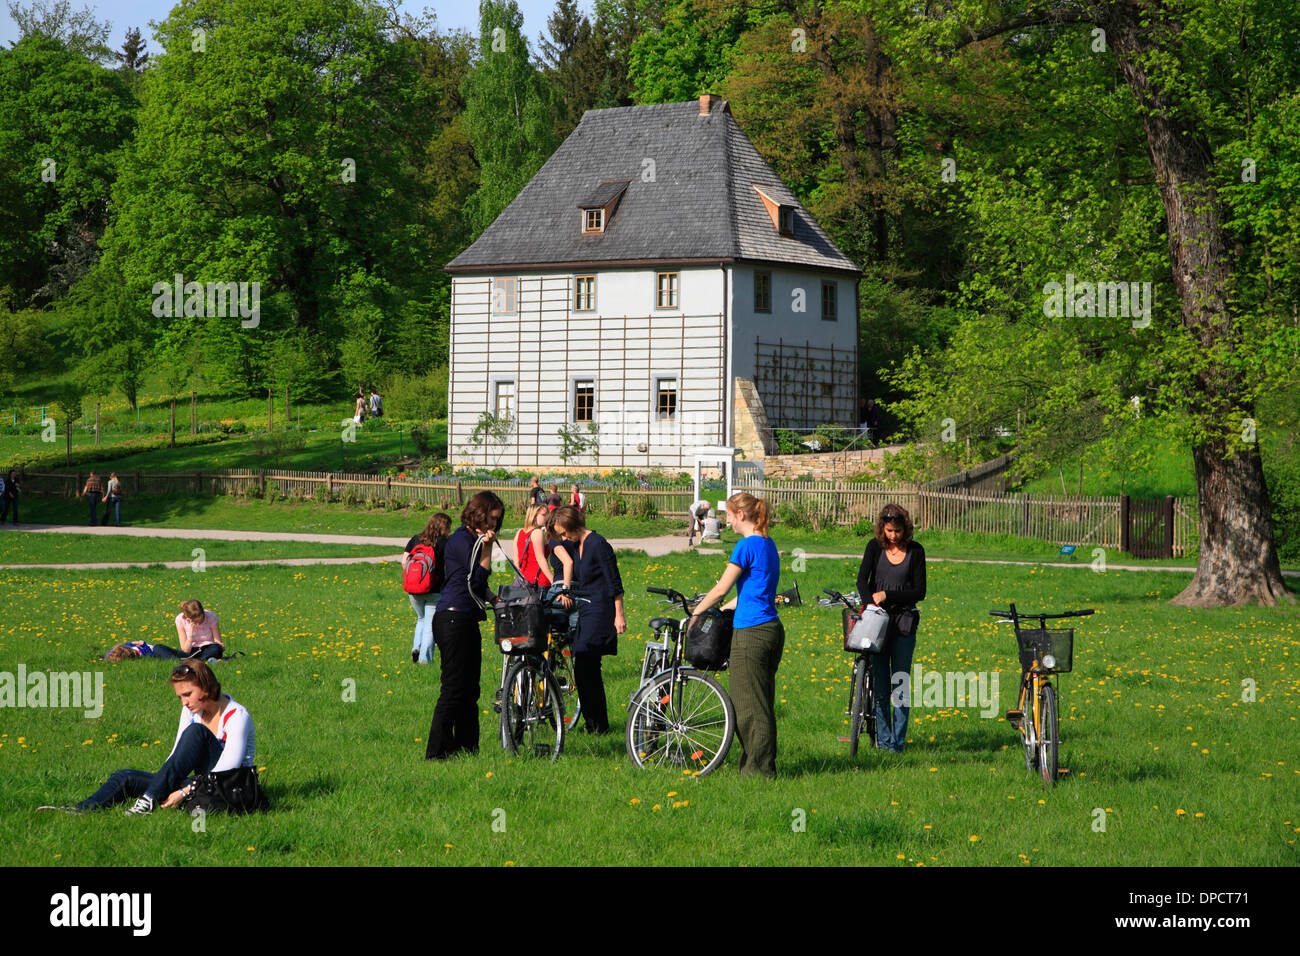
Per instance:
{"type": "Point", "coordinates": [1015, 615]}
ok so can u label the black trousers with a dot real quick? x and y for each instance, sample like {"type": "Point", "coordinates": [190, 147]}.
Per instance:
{"type": "Point", "coordinates": [454, 727]}
{"type": "Point", "coordinates": [591, 692]}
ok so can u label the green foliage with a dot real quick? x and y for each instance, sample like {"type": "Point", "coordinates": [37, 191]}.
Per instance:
{"type": "Point", "coordinates": [416, 398]}
{"type": "Point", "coordinates": [488, 431]}
{"type": "Point", "coordinates": [96, 454]}
{"type": "Point", "coordinates": [577, 440]}
{"type": "Point", "coordinates": [689, 53]}
{"type": "Point", "coordinates": [506, 113]}
{"type": "Point", "coordinates": [63, 122]}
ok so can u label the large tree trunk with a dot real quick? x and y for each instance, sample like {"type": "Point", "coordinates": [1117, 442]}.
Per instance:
{"type": "Point", "coordinates": [1238, 559]}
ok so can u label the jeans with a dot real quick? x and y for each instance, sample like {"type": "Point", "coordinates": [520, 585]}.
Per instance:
{"type": "Point", "coordinates": [93, 497]}
{"type": "Point", "coordinates": [423, 605]}
{"type": "Point", "coordinates": [113, 505]}
{"type": "Point", "coordinates": [196, 752]}
{"type": "Point", "coordinates": [559, 616]}
{"type": "Point", "coordinates": [454, 727]}
{"type": "Point", "coordinates": [5, 504]}
{"type": "Point", "coordinates": [755, 655]}
{"type": "Point", "coordinates": [895, 659]}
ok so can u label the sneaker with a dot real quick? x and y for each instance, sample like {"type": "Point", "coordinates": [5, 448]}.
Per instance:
{"type": "Point", "coordinates": [415, 657]}
{"type": "Point", "coordinates": [142, 806]}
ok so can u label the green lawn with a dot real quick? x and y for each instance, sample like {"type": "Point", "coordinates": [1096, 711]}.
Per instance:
{"type": "Point", "coordinates": [23, 547]}
{"type": "Point", "coordinates": [324, 448]}
{"type": "Point", "coordinates": [1156, 733]}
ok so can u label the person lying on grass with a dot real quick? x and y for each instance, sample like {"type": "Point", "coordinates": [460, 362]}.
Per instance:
{"type": "Point", "coordinates": [215, 733]}
{"type": "Point", "coordinates": [135, 650]}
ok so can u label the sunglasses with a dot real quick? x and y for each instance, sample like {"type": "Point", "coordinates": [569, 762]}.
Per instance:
{"type": "Point", "coordinates": [891, 517]}
{"type": "Point", "coordinates": [181, 670]}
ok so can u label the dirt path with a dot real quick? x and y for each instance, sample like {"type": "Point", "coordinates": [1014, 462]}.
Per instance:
{"type": "Point", "coordinates": [653, 547]}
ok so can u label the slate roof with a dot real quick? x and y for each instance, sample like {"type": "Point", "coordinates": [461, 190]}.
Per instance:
{"type": "Point", "coordinates": [701, 203]}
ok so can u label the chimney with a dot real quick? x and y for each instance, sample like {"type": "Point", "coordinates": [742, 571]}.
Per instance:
{"type": "Point", "coordinates": [706, 103]}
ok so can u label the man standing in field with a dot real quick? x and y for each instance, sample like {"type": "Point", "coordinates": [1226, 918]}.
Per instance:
{"type": "Point", "coordinates": [94, 491]}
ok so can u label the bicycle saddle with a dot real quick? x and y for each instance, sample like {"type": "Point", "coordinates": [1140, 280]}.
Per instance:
{"type": "Point", "coordinates": [659, 622]}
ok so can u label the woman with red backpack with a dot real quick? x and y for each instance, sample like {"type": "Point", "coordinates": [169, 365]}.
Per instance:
{"type": "Point", "coordinates": [423, 546]}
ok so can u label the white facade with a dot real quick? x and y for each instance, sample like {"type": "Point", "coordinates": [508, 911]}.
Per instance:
{"type": "Point", "coordinates": [648, 359]}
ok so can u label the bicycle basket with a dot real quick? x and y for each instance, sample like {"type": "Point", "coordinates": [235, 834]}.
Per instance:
{"type": "Point", "coordinates": [866, 632]}
{"type": "Point", "coordinates": [520, 626]}
{"type": "Point", "coordinates": [1037, 643]}
{"type": "Point", "coordinates": [708, 641]}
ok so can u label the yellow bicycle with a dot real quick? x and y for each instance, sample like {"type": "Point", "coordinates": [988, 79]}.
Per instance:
{"type": "Point", "coordinates": [1043, 653]}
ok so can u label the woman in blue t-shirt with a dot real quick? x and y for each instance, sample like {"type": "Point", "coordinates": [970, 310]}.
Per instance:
{"type": "Point", "coordinates": [759, 637]}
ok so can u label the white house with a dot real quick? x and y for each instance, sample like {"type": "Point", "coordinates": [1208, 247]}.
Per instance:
{"type": "Point", "coordinates": [652, 261]}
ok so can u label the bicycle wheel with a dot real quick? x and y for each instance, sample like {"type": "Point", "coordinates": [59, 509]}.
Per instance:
{"type": "Point", "coordinates": [532, 722]}
{"type": "Point", "coordinates": [1028, 738]}
{"type": "Point", "coordinates": [869, 703]}
{"type": "Point", "coordinates": [857, 710]}
{"type": "Point", "coordinates": [690, 726]}
{"type": "Point", "coordinates": [1047, 733]}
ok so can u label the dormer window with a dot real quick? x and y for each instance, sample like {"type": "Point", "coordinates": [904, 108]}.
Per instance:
{"type": "Point", "coordinates": [599, 206]}
{"type": "Point", "coordinates": [782, 213]}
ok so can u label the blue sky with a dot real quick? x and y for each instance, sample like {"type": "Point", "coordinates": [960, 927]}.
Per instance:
{"type": "Point", "coordinates": [123, 14]}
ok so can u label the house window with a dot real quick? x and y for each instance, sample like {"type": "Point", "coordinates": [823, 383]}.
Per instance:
{"type": "Point", "coordinates": [593, 220]}
{"type": "Point", "coordinates": [828, 301]}
{"type": "Point", "coordinates": [666, 400]}
{"type": "Point", "coordinates": [785, 221]}
{"type": "Point", "coordinates": [584, 400]}
{"type": "Point", "coordinates": [504, 297]}
{"type": "Point", "coordinates": [584, 293]}
{"type": "Point", "coordinates": [667, 291]}
{"type": "Point", "coordinates": [505, 404]}
{"type": "Point", "coordinates": [762, 292]}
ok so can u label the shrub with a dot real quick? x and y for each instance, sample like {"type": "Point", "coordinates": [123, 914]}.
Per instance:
{"type": "Point", "coordinates": [417, 398]}
{"type": "Point", "coordinates": [615, 505]}
{"type": "Point", "coordinates": [643, 506]}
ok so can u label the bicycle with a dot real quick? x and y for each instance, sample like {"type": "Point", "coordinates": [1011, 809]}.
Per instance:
{"type": "Point", "coordinates": [862, 685]}
{"type": "Point", "coordinates": [1042, 653]}
{"type": "Point", "coordinates": [679, 716]}
{"type": "Point", "coordinates": [534, 688]}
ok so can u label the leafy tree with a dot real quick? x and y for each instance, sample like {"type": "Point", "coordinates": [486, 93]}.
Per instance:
{"type": "Point", "coordinates": [78, 30]}
{"type": "Point", "coordinates": [1152, 184]}
{"type": "Point", "coordinates": [63, 122]}
{"type": "Point", "coordinates": [687, 53]}
{"type": "Point", "coordinates": [506, 113]}
{"type": "Point", "coordinates": [276, 146]}
{"type": "Point", "coordinates": [22, 341]}
{"type": "Point", "coordinates": [575, 61]}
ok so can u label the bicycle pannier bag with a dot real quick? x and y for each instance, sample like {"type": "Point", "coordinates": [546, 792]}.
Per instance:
{"type": "Point", "coordinates": [520, 620]}
{"type": "Point", "coordinates": [866, 632]}
{"type": "Point", "coordinates": [708, 640]}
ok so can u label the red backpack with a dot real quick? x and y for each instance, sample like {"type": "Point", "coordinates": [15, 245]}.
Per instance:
{"type": "Point", "coordinates": [422, 574]}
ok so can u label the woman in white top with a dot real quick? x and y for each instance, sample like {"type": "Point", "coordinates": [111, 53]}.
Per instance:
{"type": "Point", "coordinates": [215, 733]}
{"type": "Point", "coordinates": [198, 632]}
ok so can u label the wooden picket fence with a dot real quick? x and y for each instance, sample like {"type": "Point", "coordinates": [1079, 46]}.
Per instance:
{"type": "Point", "coordinates": [1082, 521]}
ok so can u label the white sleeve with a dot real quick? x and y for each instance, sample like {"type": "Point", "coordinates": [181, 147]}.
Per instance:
{"type": "Point", "coordinates": [181, 728]}
{"type": "Point", "coordinates": [237, 730]}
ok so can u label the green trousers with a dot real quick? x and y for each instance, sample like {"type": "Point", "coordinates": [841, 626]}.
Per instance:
{"type": "Point", "coordinates": [755, 655]}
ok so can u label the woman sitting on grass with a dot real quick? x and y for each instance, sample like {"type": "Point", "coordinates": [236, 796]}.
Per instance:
{"type": "Point", "coordinates": [215, 734]}
{"type": "Point", "coordinates": [198, 632]}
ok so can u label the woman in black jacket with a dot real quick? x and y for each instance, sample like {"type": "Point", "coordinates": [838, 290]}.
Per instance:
{"type": "Point", "coordinates": [600, 621]}
{"type": "Point", "coordinates": [892, 576]}
{"type": "Point", "coordinates": [454, 728]}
